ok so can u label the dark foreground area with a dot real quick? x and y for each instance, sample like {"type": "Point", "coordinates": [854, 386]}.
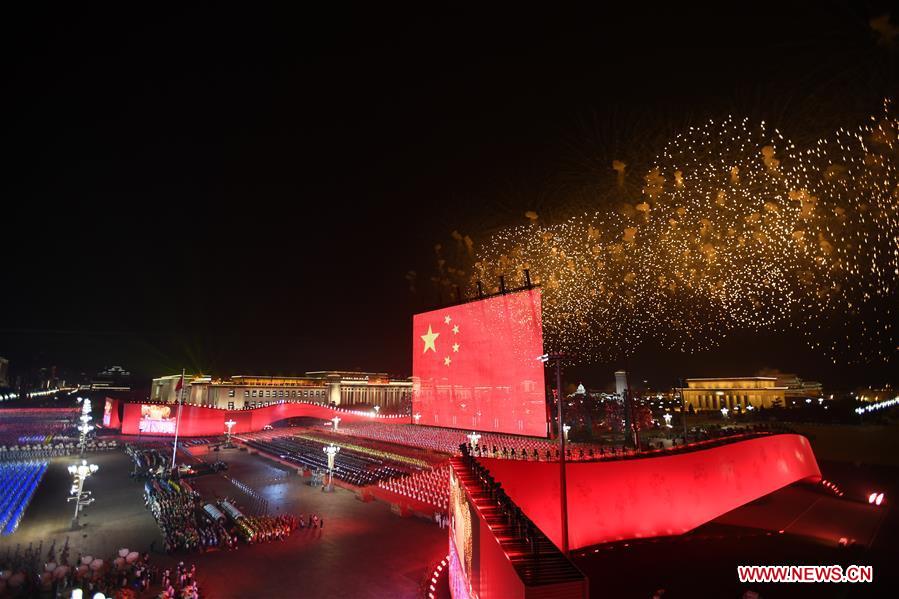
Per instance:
{"type": "Point", "coordinates": [362, 549]}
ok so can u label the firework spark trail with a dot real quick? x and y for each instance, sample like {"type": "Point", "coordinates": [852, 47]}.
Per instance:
{"type": "Point", "coordinates": [735, 228]}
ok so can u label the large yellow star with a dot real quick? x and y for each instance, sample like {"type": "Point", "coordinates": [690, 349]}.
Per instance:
{"type": "Point", "coordinates": [429, 340]}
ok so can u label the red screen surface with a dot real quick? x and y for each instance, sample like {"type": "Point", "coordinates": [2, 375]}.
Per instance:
{"type": "Point", "coordinates": [656, 496]}
{"type": "Point", "coordinates": [475, 365]}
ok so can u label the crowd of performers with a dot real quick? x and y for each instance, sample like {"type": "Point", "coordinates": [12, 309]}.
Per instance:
{"type": "Point", "coordinates": [31, 573]}
{"type": "Point", "coordinates": [189, 524]}
{"type": "Point", "coordinates": [147, 460]}
{"type": "Point", "coordinates": [259, 529]}
{"type": "Point", "coordinates": [176, 506]}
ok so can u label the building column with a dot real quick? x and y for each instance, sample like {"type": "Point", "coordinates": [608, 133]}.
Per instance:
{"type": "Point", "coordinates": [334, 392]}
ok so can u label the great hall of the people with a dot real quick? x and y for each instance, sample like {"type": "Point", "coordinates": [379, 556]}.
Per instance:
{"type": "Point", "coordinates": [742, 392]}
{"type": "Point", "coordinates": [332, 386]}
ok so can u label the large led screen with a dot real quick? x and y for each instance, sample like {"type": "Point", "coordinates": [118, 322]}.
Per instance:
{"type": "Point", "coordinates": [157, 418]}
{"type": "Point", "coordinates": [475, 366]}
{"type": "Point", "coordinates": [107, 412]}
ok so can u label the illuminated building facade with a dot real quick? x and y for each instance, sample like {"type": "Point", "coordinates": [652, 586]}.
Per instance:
{"type": "Point", "coordinates": [328, 387]}
{"type": "Point", "coordinates": [114, 378]}
{"type": "Point", "coordinates": [798, 388]}
{"type": "Point", "coordinates": [872, 395]}
{"type": "Point", "coordinates": [734, 393]}
{"type": "Point", "coordinates": [620, 382]}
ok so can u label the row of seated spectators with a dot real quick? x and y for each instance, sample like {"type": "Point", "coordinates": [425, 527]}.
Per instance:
{"type": "Point", "coordinates": [36, 425]}
{"type": "Point", "coordinates": [39, 451]}
{"type": "Point", "coordinates": [428, 486]}
{"type": "Point", "coordinates": [496, 445]}
{"type": "Point", "coordinates": [704, 439]}
{"type": "Point", "coordinates": [351, 467]}
{"type": "Point", "coordinates": [444, 440]}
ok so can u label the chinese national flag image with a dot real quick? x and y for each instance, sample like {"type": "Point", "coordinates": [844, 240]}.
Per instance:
{"type": "Point", "coordinates": [475, 365]}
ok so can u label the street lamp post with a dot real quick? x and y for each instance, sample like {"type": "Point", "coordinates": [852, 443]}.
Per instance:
{"type": "Point", "coordinates": [230, 424]}
{"type": "Point", "coordinates": [563, 487]}
{"type": "Point", "coordinates": [565, 429]}
{"type": "Point", "coordinates": [336, 421]}
{"type": "Point", "coordinates": [85, 427]}
{"type": "Point", "coordinates": [377, 410]}
{"type": "Point", "coordinates": [724, 412]}
{"type": "Point", "coordinates": [332, 451]}
{"type": "Point", "coordinates": [416, 417]}
{"type": "Point", "coordinates": [80, 473]}
{"type": "Point", "coordinates": [473, 439]}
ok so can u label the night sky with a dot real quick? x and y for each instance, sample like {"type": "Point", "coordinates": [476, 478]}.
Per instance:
{"type": "Point", "coordinates": [245, 192]}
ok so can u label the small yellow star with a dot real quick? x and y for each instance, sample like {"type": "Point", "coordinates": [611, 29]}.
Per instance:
{"type": "Point", "coordinates": [455, 347]}
{"type": "Point", "coordinates": [446, 319]}
{"type": "Point", "coordinates": [447, 361]}
{"type": "Point", "coordinates": [429, 340]}
{"type": "Point", "coordinates": [455, 329]}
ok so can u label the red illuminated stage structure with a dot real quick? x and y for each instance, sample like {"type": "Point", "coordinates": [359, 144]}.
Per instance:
{"type": "Point", "coordinates": [200, 421]}
{"type": "Point", "coordinates": [475, 366]}
{"type": "Point", "coordinates": [491, 552]}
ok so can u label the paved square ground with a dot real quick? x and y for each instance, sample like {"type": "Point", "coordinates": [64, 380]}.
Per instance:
{"type": "Point", "coordinates": [364, 550]}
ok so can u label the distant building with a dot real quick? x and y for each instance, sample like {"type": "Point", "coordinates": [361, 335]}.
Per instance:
{"type": "Point", "coordinates": [36, 379]}
{"type": "Point", "coordinates": [870, 394]}
{"type": "Point", "coordinates": [331, 387]}
{"type": "Point", "coordinates": [734, 393]}
{"type": "Point", "coordinates": [620, 382]}
{"type": "Point", "coordinates": [114, 378]}
{"type": "Point", "coordinates": [4, 372]}
{"type": "Point", "coordinates": [800, 389]}
{"type": "Point", "coordinates": [796, 388]}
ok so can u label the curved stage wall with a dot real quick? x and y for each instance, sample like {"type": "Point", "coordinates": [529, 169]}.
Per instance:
{"type": "Point", "coordinates": [198, 421]}
{"type": "Point", "coordinates": [657, 496]}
